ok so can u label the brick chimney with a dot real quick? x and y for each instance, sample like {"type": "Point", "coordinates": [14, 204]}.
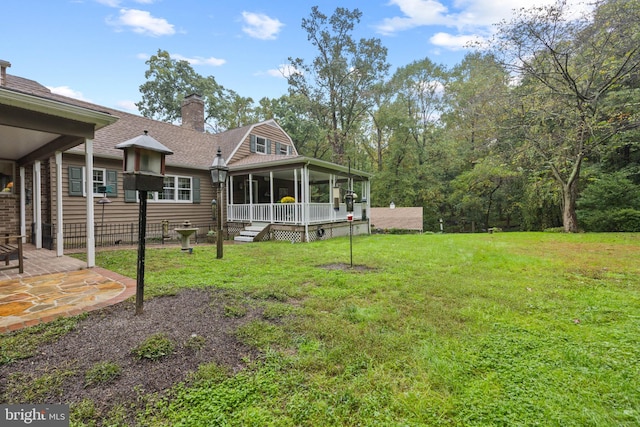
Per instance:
{"type": "Point", "coordinates": [193, 112]}
{"type": "Point", "coordinates": [3, 72]}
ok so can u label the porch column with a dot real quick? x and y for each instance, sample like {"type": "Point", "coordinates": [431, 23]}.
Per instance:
{"type": "Point", "coordinates": [251, 198]}
{"type": "Point", "coordinates": [23, 204]}
{"type": "Point", "coordinates": [271, 197]}
{"type": "Point", "coordinates": [306, 200]}
{"type": "Point", "coordinates": [230, 200]}
{"type": "Point", "coordinates": [295, 194]}
{"type": "Point", "coordinates": [91, 238]}
{"type": "Point", "coordinates": [59, 222]}
{"type": "Point", "coordinates": [37, 209]}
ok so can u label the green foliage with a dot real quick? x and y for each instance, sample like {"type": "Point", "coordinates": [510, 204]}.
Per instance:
{"type": "Point", "coordinates": [36, 386]}
{"type": "Point", "coordinates": [102, 373]}
{"type": "Point", "coordinates": [154, 347]}
{"type": "Point", "coordinates": [473, 329]}
{"type": "Point", "coordinates": [235, 310]}
{"type": "Point", "coordinates": [610, 203]}
{"type": "Point", "coordinates": [196, 342]}
{"type": "Point", "coordinates": [24, 343]}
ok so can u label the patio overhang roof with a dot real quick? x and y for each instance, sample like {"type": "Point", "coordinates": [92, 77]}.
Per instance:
{"type": "Point", "coordinates": [34, 128]}
{"type": "Point", "coordinates": [291, 162]}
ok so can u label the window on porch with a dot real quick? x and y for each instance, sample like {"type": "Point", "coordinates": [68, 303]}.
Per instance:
{"type": "Point", "coordinates": [7, 173]}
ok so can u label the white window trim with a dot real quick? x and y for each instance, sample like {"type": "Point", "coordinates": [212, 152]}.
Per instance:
{"type": "Point", "coordinates": [263, 146]}
{"type": "Point", "coordinates": [84, 181]}
{"type": "Point", "coordinates": [155, 199]}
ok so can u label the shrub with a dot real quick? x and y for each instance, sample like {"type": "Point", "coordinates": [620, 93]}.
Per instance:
{"type": "Point", "coordinates": [102, 373]}
{"type": "Point", "coordinates": [625, 220]}
{"type": "Point", "coordinates": [153, 348]}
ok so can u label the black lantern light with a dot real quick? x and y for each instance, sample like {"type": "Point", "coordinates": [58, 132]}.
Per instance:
{"type": "Point", "coordinates": [219, 171]}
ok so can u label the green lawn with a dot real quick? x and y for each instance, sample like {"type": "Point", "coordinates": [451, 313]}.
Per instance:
{"type": "Point", "coordinates": [475, 329]}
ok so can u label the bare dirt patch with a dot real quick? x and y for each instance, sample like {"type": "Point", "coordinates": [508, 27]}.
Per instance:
{"type": "Point", "coordinates": [110, 335]}
{"type": "Point", "coordinates": [347, 267]}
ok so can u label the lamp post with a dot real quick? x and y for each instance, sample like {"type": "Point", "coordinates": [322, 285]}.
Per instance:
{"type": "Point", "coordinates": [143, 171]}
{"type": "Point", "coordinates": [219, 171]}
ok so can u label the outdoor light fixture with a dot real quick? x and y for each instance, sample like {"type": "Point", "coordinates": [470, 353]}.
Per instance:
{"type": "Point", "coordinates": [219, 171]}
{"type": "Point", "coordinates": [143, 171]}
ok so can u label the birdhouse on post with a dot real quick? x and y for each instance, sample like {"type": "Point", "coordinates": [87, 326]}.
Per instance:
{"type": "Point", "coordinates": [143, 163]}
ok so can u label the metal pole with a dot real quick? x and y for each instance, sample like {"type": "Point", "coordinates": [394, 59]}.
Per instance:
{"type": "Point", "coordinates": [351, 242]}
{"type": "Point", "coordinates": [219, 224]}
{"type": "Point", "coordinates": [142, 231]}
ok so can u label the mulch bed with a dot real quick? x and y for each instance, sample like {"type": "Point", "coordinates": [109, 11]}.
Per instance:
{"type": "Point", "coordinates": [109, 335]}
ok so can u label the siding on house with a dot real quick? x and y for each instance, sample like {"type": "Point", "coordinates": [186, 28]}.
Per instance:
{"type": "Point", "coordinates": [122, 211]}
{"type": "Point", "coordinates": [274, 134]}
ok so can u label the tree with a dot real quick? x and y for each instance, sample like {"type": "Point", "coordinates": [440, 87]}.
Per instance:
{"type": "Point", "coordinates": [169, 80]}
{"type": "Point", "coordinates": [339, 80]}
{"type": "Point", "coordinates": [610, 202]}
{"type": "Point", "coordinates": [568, 66]}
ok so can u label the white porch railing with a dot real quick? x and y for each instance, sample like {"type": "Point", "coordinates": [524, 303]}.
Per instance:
{"type": "Point", "coordinates": [291, 213]}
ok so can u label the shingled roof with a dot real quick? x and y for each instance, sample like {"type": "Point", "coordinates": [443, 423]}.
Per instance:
{"type": "Point", "coordinates": [191, 148]}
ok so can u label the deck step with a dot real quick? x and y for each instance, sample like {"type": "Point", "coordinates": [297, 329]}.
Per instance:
{"type": "Point", "coordinates": [250, 232]}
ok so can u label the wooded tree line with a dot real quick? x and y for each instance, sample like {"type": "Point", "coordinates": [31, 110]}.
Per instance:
{"type": "Point", "coordinates": [536, 129]}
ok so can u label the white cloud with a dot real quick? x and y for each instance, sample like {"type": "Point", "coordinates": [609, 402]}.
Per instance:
{"type": "Point", "coordinates": [462, 14]}
{"type": "Point", "coordinates": [128, 106]}
{"type": "Point", "coordinates": [261, 26]}
{"type": "Point", "coordinates": [453, 42]}
{"type": "Point", "coordinates": [198, 60]}
{"type": "Point", "coordinates": [141, 22]}
{"type": "Point", "coordinates": [110, 3]}
{"type": "Point", "coordinates": [283, 71]}
{"type": "Point", "coordinates": [416, 13]}
{"type": "Point", "coordinates": [67, 91]}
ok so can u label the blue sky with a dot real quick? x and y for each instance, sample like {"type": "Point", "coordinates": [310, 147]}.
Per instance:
{"type": "Point", "coordinates": [96, 49]}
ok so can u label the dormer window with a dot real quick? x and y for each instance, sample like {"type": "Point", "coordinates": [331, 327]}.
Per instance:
{"type": "Point", "coordinates": [284, 149]}
{"type": "Point", "coordinates": [261, 145]}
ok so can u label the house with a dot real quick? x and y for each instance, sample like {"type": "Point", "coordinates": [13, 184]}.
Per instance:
{"type": "Point", "coordinates": [48, 142]}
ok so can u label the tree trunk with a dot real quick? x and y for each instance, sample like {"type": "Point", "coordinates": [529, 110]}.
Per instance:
{"type": "Point", "coordinates": [569, 197]}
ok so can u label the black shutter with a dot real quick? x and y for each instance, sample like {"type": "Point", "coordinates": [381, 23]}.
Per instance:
{"type": "Point", "coordinates": [252, 144]}
{"type": "Point", "coordinates": [268, 142]}
{"type": "Point", "coordinates": [277, 147]}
